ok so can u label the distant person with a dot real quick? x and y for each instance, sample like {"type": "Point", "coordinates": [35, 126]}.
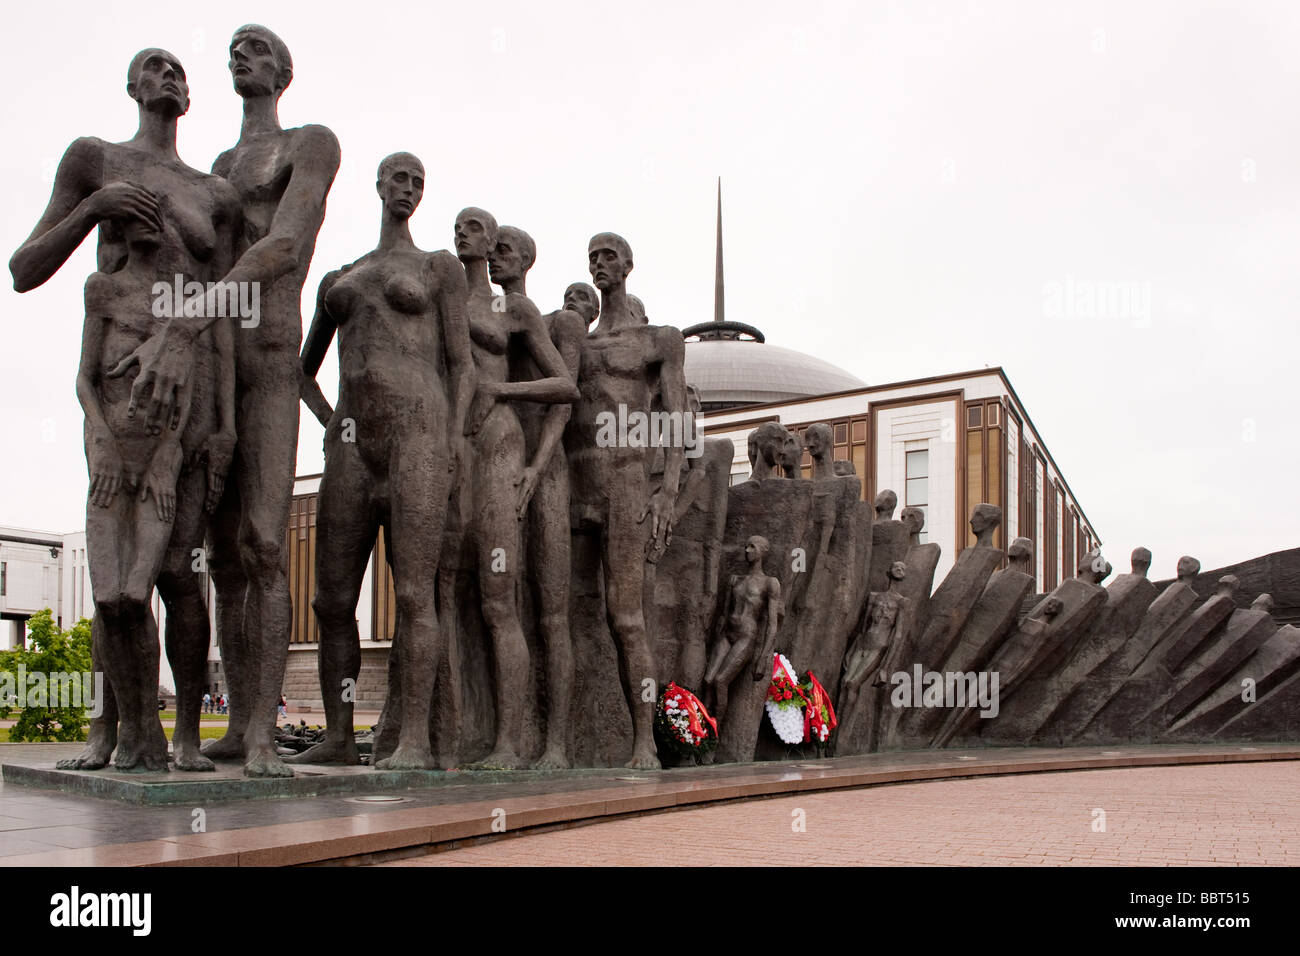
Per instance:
{"type": "Point", "coordinates": [207, 703]}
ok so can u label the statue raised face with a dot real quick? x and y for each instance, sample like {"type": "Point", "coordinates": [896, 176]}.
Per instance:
{"type": "Point", "coordinates": [609, 259]}
{"type": "Point", "coordinates": [512, 256]}
{"type": "Point", "coordinates": [583, 299]}
{"type": "Point", "coordinates": [156, 80]}
{"type": "Point", "coordinates": [476, 233]}
{"type": "Point", "coordinates": [400, 184]}
{"type": "Point", "coordinates": [260, 64]}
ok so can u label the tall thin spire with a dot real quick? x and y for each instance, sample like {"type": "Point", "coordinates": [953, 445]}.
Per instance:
{"type": "Point", "coordinates": [719, 305]}
{"type": "Point", "coordinates": [720, 330]}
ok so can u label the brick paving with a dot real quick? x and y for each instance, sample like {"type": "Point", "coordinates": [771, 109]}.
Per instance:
{"type": "Point", "coordinates": [1210, 815]}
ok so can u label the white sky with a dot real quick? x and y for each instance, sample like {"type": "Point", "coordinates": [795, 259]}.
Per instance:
{"type": "Point", "coordinates": [902, 183]}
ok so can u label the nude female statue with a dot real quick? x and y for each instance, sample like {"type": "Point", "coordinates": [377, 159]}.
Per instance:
{"type": "Point", "coordinates": [543, 494]}
{"type": "Point", "coordinates": [391, 450]}
{"type": "Point", "coordinates": [160, 223]}
{"type": "Point", "coordinates": [753, 600]}
{"type": "Point", "coordinates": [498, 469]}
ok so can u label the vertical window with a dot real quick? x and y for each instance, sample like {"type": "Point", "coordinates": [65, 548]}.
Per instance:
{"type": "Point", "coordinates": [4, 577]}
{"type": "Point", "coordinates": [917, 493]}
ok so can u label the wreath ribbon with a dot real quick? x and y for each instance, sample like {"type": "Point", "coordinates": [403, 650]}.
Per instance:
{"type": "Point", "coordinates": [694, 710]}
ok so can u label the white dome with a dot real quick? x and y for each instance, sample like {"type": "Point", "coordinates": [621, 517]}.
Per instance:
{"type": "Point", "coordinates": [740, 372]}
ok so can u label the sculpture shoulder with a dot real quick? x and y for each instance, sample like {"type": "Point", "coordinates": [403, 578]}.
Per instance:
{"type": "Point", "coordinates": [669, 342]}
{"type": "Point", "coordinates": [523, 308]}
{"type": "Point", "coordinates": [317, 142]}
{"type": "Point", "coordinates": [445, 267]}
{"type": "Point", "coordinates": [567, 325]}
{"type": "Point", "coordinates": [221, 165]}
{"type": "Point", "coordinates": [84, 158]}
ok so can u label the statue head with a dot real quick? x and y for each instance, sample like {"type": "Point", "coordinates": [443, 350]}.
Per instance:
{"type": "Point", "coordinates": [400, 184]}
{"type": "Point", "coordinates": [769, 439]}
{"type": "Point", "coordinates": [913, 519]}
{"type": "Point", "coordinates": [898, 571]}
{"type": "Point", "coordinates": [1141, 561]}
{"type": "Point", "coordinates": [1092, 567]}
{"type": "Point", "coordinates": [1052, 606]}
{"type": "Point", "coordinates": [476, 233]}
{"type": "Point", "coordinates": [1188, 569]}
{"type": "Point", "coordinates": [512, 256]}
{"type": "Point", "coordinates": [156, 80]}
{"type": "Point", "coordinates": [693, 399]}
{"type": "Point", "coordinates": [1226, 586]}
{"type": "Point", "coordinates": [885, 504]}
{"type": "Point", "coordinates": [609, 259]}
{"type": "Point", "coordinates": [984, 518]}
{"type": "Point", "coordinates": [819, 440]}
{"type": "Point", "coordinates": [756, 549]}
{"type": "Point", "coordinates": [637, 308]}
{"type": "Point", "coordinates": [1263, 603]}
{"type": "Point", "coordinates": [843, 468]}
{"type": "Point", "coordinates": [583, 299]}
{"type": "Point", "coordinates": [792, 456]}
{"type": "Point", "coordinates": [259, 62]}
{"type": "Point", "coordinates": [1021, 554]}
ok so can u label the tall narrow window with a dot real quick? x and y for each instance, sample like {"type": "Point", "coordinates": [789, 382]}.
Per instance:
{"type": "Point", "coordinates": [917, 493]}
{"type": "Point", "coordinates": [4, 577]}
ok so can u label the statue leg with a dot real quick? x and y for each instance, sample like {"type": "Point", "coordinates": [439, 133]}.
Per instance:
{"type": "Point", "coordinates": [420, 487]}
{"type": "Point", "coordinates": [268, 442]}
{"type": "Point", "coordinates": [102, 737]}
{"type": "Point", "coordinates": [186, 637]}
{"type": "Point", "coordinates": [231, 585]}
{"type": "Point", "coordinates": [623, 559]}
{"type": "Point", "coordinates": [549, 563]}
{"type": "Point", "coordinates": [345, 537]}
{"type": "Point", "coordinates": [738, 658]}
{"type": "Point", "coordinates": [498, 464]}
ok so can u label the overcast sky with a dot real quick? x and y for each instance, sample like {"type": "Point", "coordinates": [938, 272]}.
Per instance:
{"type": "Point", "coordinates": [909, 190]}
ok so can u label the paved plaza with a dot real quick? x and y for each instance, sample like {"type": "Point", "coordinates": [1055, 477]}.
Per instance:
{"type": "Point", "coordinates": [1213, 815]}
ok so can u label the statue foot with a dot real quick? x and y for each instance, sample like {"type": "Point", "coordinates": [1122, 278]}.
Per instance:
{"type": "Point", "coordinates": [189, 757]}
{"type": "Point", "coordinates": [643, 758]}
{"type": "Point", "coordinates": [329, 751]}
{"type": "Point", "coordinates": [228, 747]}
{"type": "Point", "coordinates": [95, 756]}
{"type": "Point", "coordinates": [265, 762]}
{"type": "Point", "coordinates": [498, 760]}
{"type": "Point", "coordinates": [141, 758]}
{"type": "Point", "coordinates": [408, 758]}
{"type": "Point", "coordinates": [553, 759]}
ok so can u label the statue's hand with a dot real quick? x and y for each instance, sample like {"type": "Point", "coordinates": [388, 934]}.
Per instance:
{"type": "Point", "coordinates": [125, 201]}
{"type": "Point", "coordinates": [217, 451]}
{"type": "Point", "coordinates": [105, 464]}
{"type": "Point", "coordinates": [526, 485]}
{"type": "Point", "coordinates": [660, 513]}
{"type": "Point", "coordinates": [160, 479]}
{"type": "Point", "coordinates": [166, 362]}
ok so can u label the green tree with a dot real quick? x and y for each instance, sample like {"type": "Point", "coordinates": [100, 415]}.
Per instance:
{"type": "Point", "coordinates": [50, 650]}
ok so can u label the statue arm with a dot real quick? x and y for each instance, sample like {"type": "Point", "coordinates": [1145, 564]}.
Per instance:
{"type": "Point", "coordinates": [557, 385]}
{"type": "Point", "coordinates": [775, 612]}
{"type": "Point", "coordinates": [672, 383]}
{"type": "Point", "coordinates": [314, 348]}
{"type": "Point", "coordinates": [453, 296]}
{"type": "Point", "coordinates": [70, 215]}
{"type": "Point", "coordinates": [569, 329]}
